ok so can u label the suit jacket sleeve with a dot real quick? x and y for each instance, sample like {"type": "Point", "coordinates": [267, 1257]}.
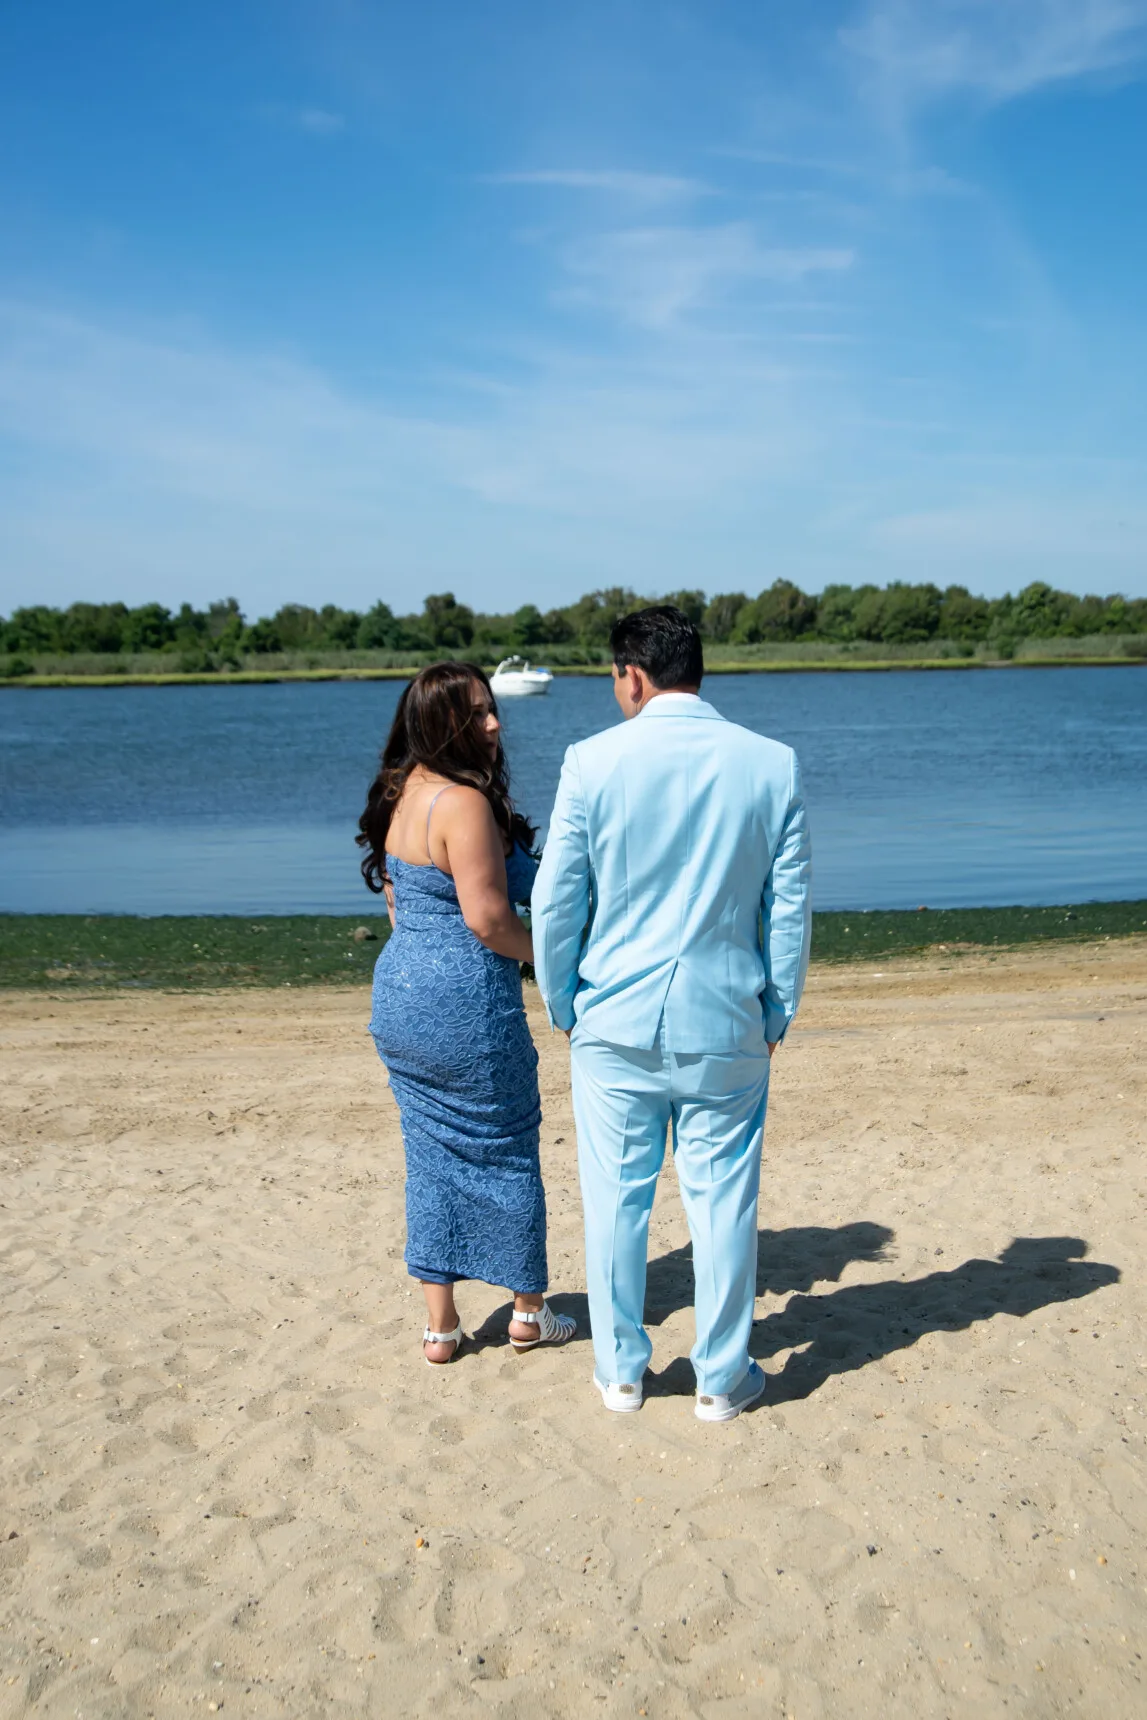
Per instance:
{"type": "Point", "coordinates": [560, 904]}
{"type": "Point", "coordinates": [786, 915]}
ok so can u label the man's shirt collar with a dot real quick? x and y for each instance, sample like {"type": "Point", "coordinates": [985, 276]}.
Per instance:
{"type": "Point", "coordinates": [677, 705]}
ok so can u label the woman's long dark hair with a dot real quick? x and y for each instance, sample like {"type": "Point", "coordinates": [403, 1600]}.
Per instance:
{"type": "Point", "coordinates": [435, 726]}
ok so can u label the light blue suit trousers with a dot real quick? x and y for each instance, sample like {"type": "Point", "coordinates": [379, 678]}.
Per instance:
{"type": "Point", "coordinates": [625, 1102]}
{"type": "Point", "coordinates": [671, 934]}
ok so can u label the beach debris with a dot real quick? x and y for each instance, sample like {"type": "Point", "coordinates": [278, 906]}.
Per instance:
{"type": "Point", "coordinates": [419, 1541]}
{"type": "Point", "coordinates": [364, 935]}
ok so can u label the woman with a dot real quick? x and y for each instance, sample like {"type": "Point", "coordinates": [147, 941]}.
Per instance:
{"type": "Point", "coordinates": [444, 842]}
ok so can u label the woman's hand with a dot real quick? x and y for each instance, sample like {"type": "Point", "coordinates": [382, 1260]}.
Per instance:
{"type": "Point", "coordinates": [467, 844]}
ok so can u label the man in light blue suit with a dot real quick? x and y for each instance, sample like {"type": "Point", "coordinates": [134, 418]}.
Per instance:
{"type": "Point", "coordinates": [671, 936]}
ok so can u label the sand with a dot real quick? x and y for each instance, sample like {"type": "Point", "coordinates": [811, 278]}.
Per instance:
{"type": "Point", "coordinates": [228, 1482]}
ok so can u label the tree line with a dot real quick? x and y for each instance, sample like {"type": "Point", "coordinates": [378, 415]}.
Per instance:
{"type": "Point", "coordinates": [896, 614]}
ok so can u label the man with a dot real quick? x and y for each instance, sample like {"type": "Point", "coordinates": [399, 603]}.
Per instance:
{"type": "Point", "coordinates": [671, 935]}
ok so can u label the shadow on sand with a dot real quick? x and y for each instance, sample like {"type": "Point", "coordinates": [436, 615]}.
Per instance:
{"type": "Point", "coordinates": [863, 1322]}
{"type": "Point", "coordinates": [837, 1333]}
{"type": "Point", "coordinates": [794, 1259]}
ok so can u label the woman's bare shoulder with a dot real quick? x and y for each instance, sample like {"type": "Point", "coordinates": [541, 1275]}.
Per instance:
{"type": "Point", "coordinates": [457, 801]}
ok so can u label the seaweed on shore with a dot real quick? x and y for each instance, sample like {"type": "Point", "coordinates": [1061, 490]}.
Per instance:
{"type": "Point", "coordinates": [877, 933]}
{"type": "Point", "coordinates": [58, 952]}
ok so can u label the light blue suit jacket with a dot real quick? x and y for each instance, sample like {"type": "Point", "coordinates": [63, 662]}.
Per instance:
{"type": "Point", "coordinates": [675, 880]}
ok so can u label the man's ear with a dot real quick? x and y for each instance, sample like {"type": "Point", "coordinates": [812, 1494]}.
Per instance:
{"type": "Point", "coordinates": [639, 686]}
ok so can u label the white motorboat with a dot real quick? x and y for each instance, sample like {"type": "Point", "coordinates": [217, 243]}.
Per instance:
{"type": "Point", "coordinates": [515, 679]}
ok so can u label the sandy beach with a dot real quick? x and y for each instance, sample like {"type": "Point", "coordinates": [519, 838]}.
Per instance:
{"type": "Point", "coordinates": [229, 1484]}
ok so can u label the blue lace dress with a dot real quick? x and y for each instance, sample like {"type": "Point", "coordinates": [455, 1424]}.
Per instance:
{"type": "Point", "coordinates": [449, 1024]}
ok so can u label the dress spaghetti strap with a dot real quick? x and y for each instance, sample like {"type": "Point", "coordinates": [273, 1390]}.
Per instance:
{"type": "Point", "coordinates": [429, 810]}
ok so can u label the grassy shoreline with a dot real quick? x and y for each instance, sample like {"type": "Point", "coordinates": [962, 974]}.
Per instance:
{"type": "Point", "coordinates": [205, 953]}
{"type": "Point", "coordinates": [779, 666]}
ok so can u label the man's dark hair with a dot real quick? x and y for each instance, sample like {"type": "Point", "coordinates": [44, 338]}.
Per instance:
{"type": "Point", "coordinates": [663, 642]}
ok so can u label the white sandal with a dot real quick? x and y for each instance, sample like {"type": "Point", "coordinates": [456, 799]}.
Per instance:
{"type": "Point", "coordinates": [455, 1337]}
{"type": "Point", "coordinates": [552, 1328]}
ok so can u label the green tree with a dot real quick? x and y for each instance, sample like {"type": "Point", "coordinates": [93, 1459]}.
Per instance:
{"type": "Point", "coordinates": [449, 624]}
{"type": "Point", "coordinates": [784, 611]}
{"type": "Point", "coordinates": [338, 628]}
{"type": "Point", "coordinates": [494, 633]}
{"type": "Point", "coordinates": [148, 628]}
{"type": "Point", "coordinates": [1041, 612]}
{"type": "Point", "coordinates": [1002, 631]}
{"type": "Point", "coordinates": [690, 603]}
{"type": "Point", "coordinates": [1120, 614]}
{"type": "Point", "coordinates": [720, 616]}
{"type": "Point", "coordinates": [377, 630]}
{"type": "Point", "coordinates": [224, 623]}
{"type": "Point", "coordinates": [592, 616]}
{"type": "Point", "coordinates": [1093, 615]}
{"type": "Point", "coordinates": [963, 618]}
{"type": "Point", "coordinates": [900, 614]}
{"type": "Point", "coordinates": [92, 627]}
{"type": "Point", "coordinates": [36, 628]}
{"type": "Point", "coordinates": [556, 627]}
{"type": "Point", "coordinates": [836, 611]}
{"type": "Point", "coordinates": [911, 613]}
{"type": "Point", "coordinates": [261, 638]}
{"type": "Point", "coordinates": [298, 627]}
{"type": "Point", "coordinates": [190, 628]}
{"type": "Point", "coordinates": [527, 628]}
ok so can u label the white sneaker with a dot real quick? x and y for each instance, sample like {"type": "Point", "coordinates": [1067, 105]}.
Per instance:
{"type": "Point", "coordinates": [623, 1400]}
{"type": "Point", "coordinates": [717, 1406]}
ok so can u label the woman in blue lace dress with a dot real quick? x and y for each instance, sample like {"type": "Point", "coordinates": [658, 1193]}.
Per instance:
{"type": "Point", "coordinates": [444, 842]}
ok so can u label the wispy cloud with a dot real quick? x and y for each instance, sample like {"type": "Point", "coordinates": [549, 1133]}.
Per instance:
{"type": "Point", "coordinates": [786, 159]}
{"type": "Point", "coordinates": [720, 363]}
{"type": "Point", "coordinates": [1093, 532]}
{"type": "Point", "coordinates": [612, 181]}
{"type": "Point", "coordinates": [930, 182]}
{"type": "Point", "coordinates": [869, 172]}
{"type": "Point", "coordinates": [320, 122]}
{"type": "Point", "coordinates": [158, 463]}
{"type": "Point", "coordinates": [177, 463]}
{"type": "Point", "coordinates": [657, 276]}
{"type": "Point", "coordinates": [918, 51]}
{"type": "Point", "coordinates": [316, 121]}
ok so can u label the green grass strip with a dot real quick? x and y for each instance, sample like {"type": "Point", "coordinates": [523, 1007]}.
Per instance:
{"type": "Point", "coordinates": [754, 666]}
{"type": "Point", "coordinates": [186, 952]}
{"type": "Point", "coordinates": [963, 931]}
{"type": "Point", "coordinates": [57, 952]}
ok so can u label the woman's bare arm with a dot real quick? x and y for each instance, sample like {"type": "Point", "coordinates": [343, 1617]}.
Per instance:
{"type": "Point", "coordinates": [466, 843]}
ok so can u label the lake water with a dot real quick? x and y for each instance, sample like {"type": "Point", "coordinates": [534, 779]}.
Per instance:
{"type": "Point", "coordinates": [961, 788]}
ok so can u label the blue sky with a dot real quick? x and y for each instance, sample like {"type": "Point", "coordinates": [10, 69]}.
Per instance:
{"type": "Point", "coordinates": [335, 302]}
